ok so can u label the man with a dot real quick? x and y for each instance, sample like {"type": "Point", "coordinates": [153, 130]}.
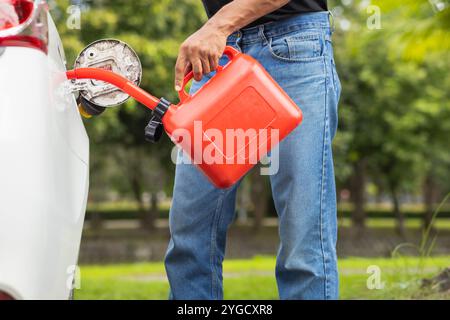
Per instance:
{"type": "Point", "coordinates": [292, 40]}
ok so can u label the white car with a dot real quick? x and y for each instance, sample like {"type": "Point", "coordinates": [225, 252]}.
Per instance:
{"type": "Point", "coordinates": [44, 158]}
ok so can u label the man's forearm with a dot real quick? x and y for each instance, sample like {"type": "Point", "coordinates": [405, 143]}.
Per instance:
{"type": "Point", "coordinates": [202, 50]}
{"type": "Point", "coordinates": [239, 13]}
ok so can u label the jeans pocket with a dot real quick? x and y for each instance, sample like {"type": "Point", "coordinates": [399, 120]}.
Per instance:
{"type": "Point", "coordinates": [337, 81]}
{"type": "Point", "coordinates": [335, 78]}
{"type": "Point", "coordinates": [297, 47]}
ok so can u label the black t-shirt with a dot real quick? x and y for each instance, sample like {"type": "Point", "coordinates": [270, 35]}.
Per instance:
{"type": "Point", "coordinates": [292, 8]}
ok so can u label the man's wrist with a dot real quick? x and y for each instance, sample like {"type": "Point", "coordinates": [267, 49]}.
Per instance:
{"type": "Point", "coordinates": [220, 26]}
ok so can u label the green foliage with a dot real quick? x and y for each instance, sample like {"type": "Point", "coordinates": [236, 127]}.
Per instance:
{"type": "Point", "coordinates": [395, 104]}
{"type": "Point", "coordinates": [421, 26]}
{"type": "Point", "coordinates": [119, 154]}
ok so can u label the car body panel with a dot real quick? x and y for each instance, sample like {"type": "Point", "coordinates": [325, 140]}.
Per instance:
{"type": "Point", "coordinates": [44, 173]}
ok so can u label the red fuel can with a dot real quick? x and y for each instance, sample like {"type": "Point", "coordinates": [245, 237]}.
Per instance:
{"type": "Point", "coordinates": [229, 124]}
{"type": "Point", "coordinates": [233, 120]}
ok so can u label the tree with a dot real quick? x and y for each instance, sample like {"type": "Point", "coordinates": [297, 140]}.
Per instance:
{"type": "Point", "coordinates": [422, 34]}
{"type": "Point", "coordinates": [154, 29]}
{"type": "Point", "coordinates": [386, 136]}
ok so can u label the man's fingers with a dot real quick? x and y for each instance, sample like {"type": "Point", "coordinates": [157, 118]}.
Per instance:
{"type": "Point", "coordinates": [197, 69]}
{"type": "Point", "coordinates": [180, 72]}
{"type": "Point", "coordinates": [206, 66]}
{"type": "Point", "coordinates": [213, 62]}
{"type": "Point", "coordinates": [200, 60]}
{"type": "Point", "coordinates": [188, 68]}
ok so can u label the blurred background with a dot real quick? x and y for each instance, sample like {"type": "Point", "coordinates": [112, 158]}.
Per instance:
{"type": "Point", "coordinates": [392, 156]}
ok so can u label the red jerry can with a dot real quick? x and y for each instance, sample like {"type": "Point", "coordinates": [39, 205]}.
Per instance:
{"type": "Point", "coordinates": [233, 120]}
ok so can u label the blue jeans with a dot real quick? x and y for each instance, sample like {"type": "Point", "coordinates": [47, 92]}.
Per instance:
{"type": "Point", "coordinates": [298, 53]}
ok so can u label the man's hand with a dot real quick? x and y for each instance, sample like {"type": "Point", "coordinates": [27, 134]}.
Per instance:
{"type": "Point", "coordinates": [202, 50]}
{"type": "Point", "coordinates": [200, 53]}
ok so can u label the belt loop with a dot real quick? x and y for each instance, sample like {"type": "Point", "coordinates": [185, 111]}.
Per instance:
{"type": "Point", "coordinates": [238, 40]}
{"type": "Point", "coordinates": [332, 21]}
{"type": "Point", "coordinates": [262, 34]}
{"type": "Point", "coordinates": [239, 37]}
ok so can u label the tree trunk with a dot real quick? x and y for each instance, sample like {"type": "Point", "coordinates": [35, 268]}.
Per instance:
{"type": "Point", "coordinates": [398, 214]}
{"type": "Point", "coordinates": [258, 196]}
{"type": "Point", "coordinates": [148, 216]}
{"type": "Point", "coordinates": [136, 187]}
{"type": "Point", "coordinates": [243, 201]}
{"type": "Point", "coordinates": [96, 221]}
{"type": "Point", "coordinates": [152, 214]}
{"type": "Point", "coordinates": [429, 197]}
{"type": "Point", "coordinates": [357, 189]}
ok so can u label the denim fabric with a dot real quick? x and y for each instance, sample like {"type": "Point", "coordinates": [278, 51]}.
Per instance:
{"type": "Point", "coordinates": [298, 53]}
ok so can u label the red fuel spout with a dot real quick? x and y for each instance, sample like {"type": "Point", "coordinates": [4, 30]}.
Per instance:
{"type": "Point", "coordinates": [117, 80]}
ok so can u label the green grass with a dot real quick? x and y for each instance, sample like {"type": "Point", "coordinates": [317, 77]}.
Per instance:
{"type": "Point", "coordinates": [372, 223]}
{"type": "Point", "coordinates": [254, 279]}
